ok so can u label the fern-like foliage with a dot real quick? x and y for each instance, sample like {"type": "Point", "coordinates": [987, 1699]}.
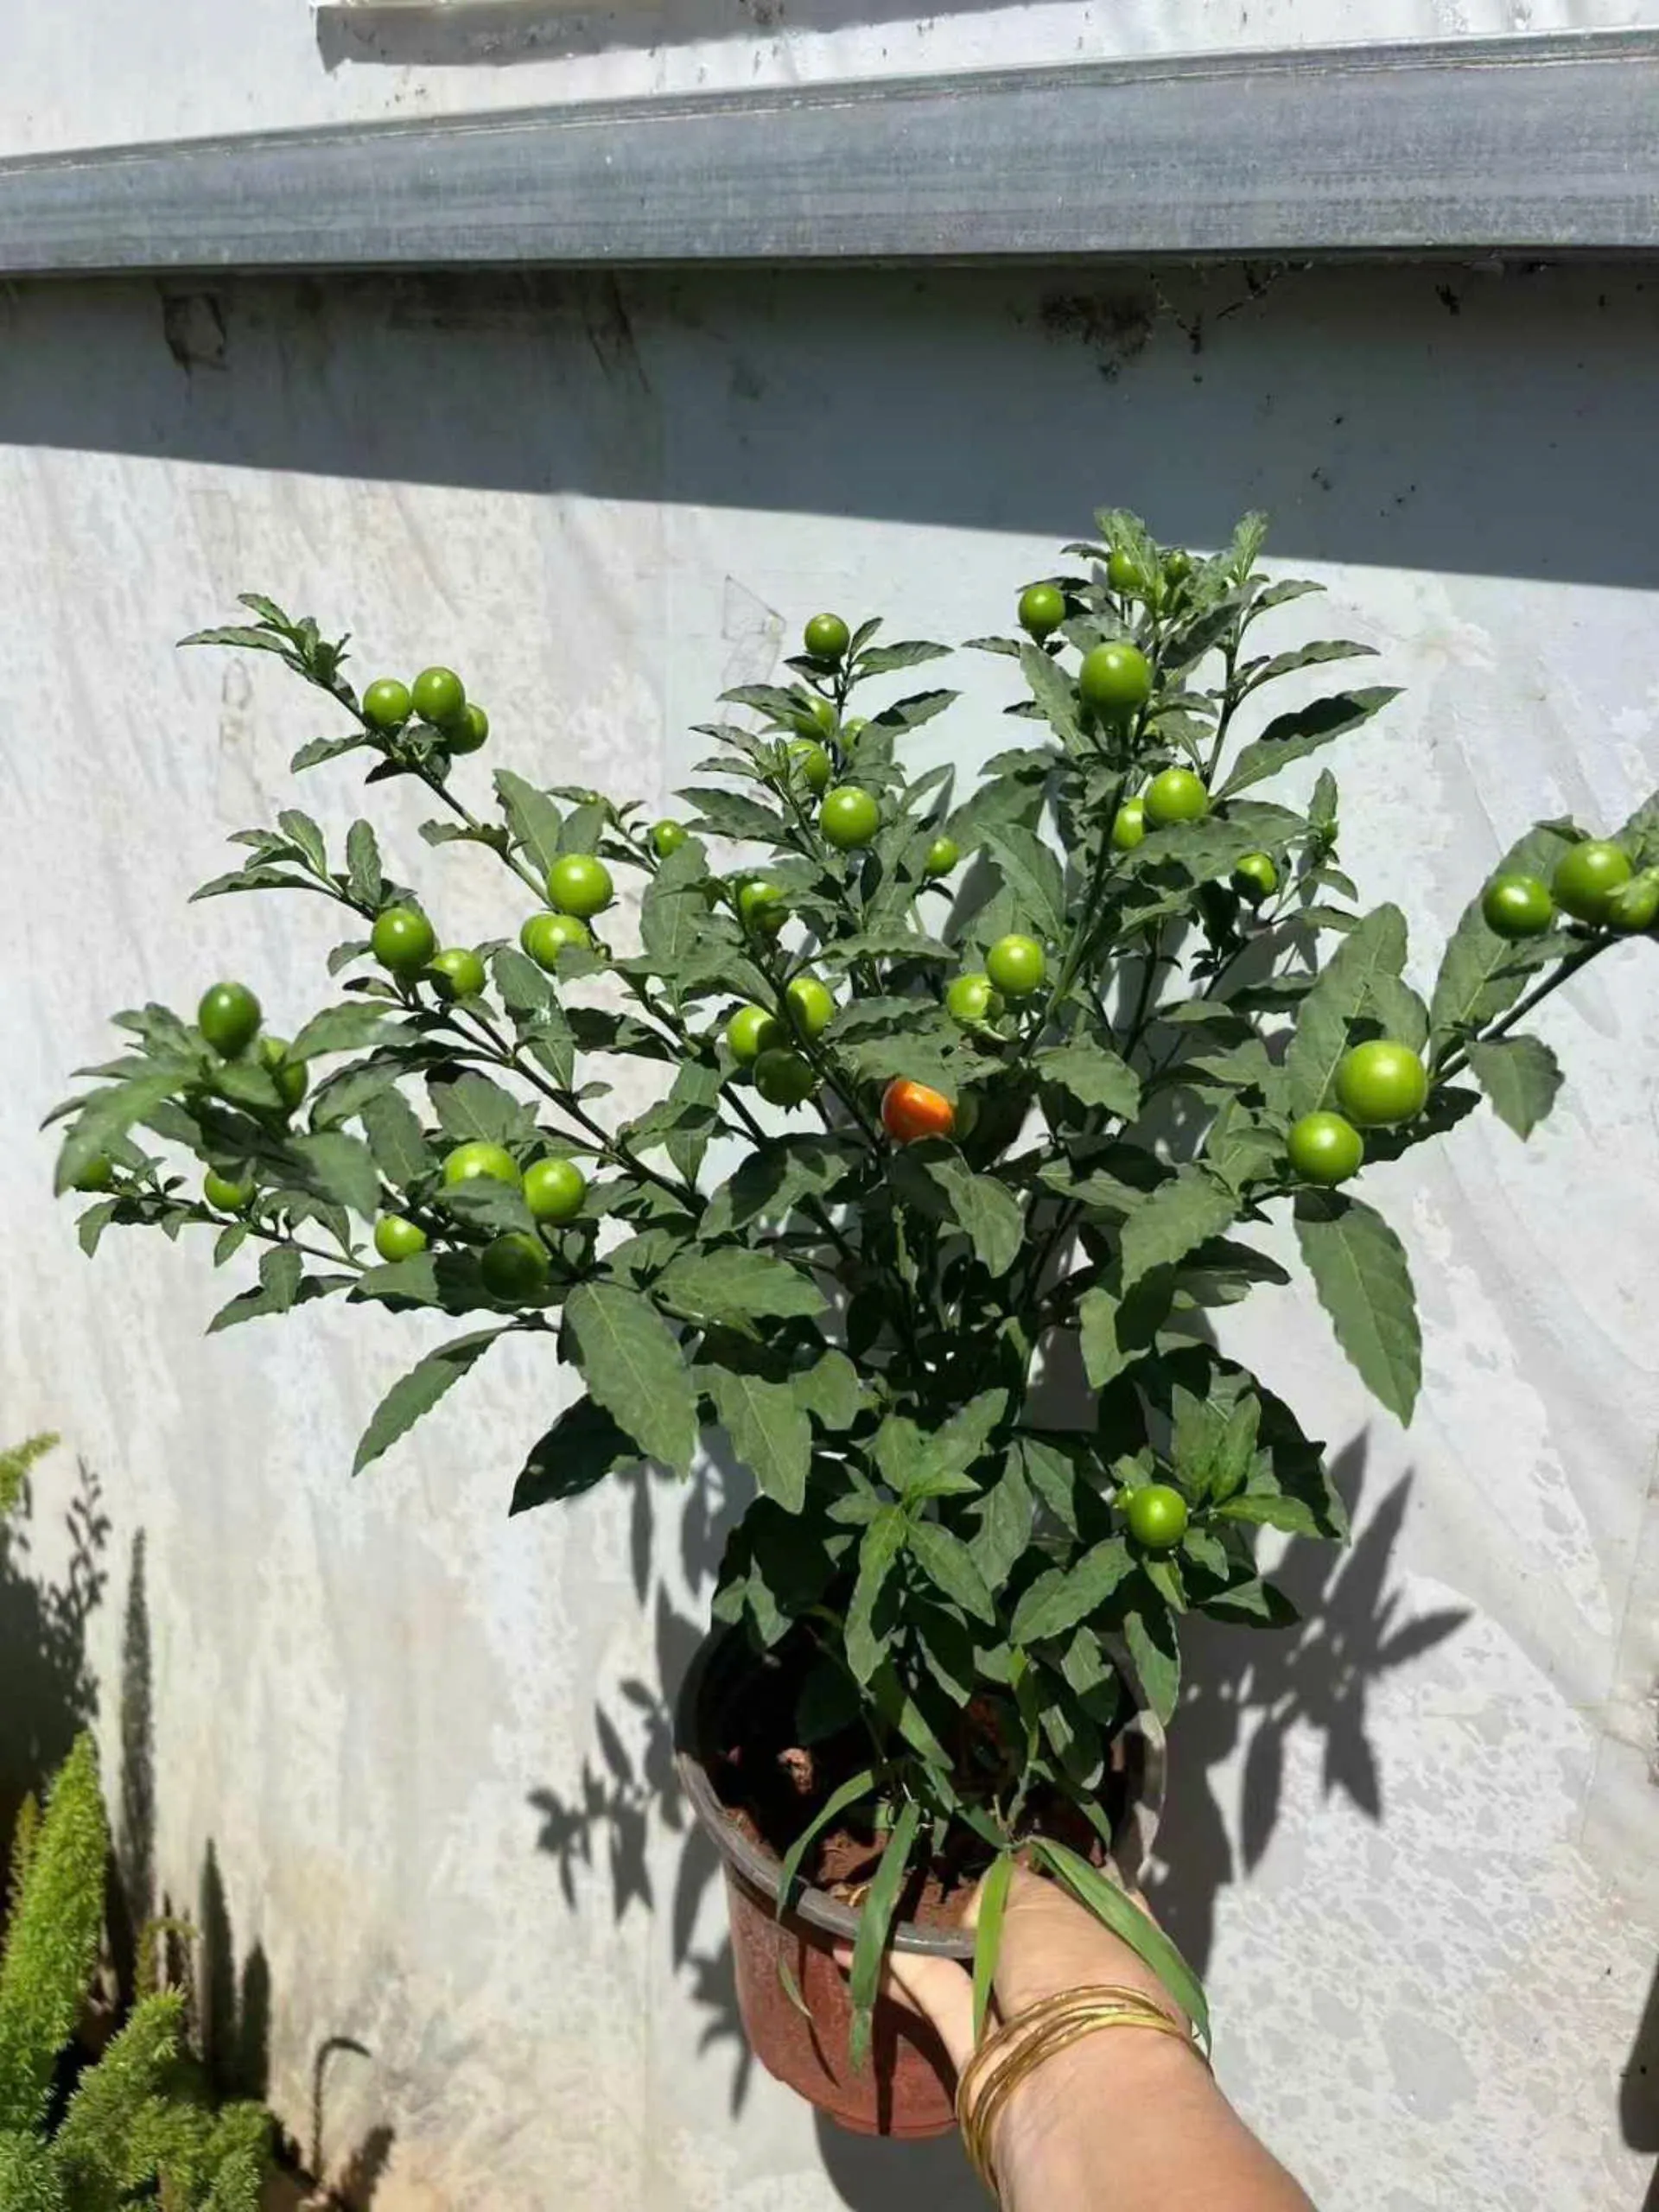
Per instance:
{"type": "Point", "coordinates": [15, 1464]}
{"type": "Point", "coordinates": [52, 1944]}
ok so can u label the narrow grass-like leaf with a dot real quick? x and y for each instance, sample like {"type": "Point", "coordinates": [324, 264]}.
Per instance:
{"type": "Point", "coordinates": [874, 1924]}
{"type": "Point", "coordinates": [1148, 1941]}
{"type": "Point", "coordinates": [988, 1935]}
{"type": "Point", "coordinates": [857, 1786]}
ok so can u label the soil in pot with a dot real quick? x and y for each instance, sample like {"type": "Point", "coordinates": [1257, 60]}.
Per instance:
{"type": "Point", "coordinates": [793, 1996]}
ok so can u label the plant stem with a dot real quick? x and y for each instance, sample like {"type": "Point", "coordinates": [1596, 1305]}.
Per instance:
{"type": "Point", "coordinates": [1457, 1058]}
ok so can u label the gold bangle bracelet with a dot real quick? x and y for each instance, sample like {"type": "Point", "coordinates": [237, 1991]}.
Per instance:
{"type": "Point", "coordinates": [1025, 2043]}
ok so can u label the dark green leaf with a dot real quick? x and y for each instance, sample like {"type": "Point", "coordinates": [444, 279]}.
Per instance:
{"type": "Point", "coordinates": [1521, 1076]}
{"type": "Point", "coordinates": [879, 1547]}
{"type": "Point", "coordinates": [418, 1391]}
{"type": "Point", "coordinates": [729, 814]}
{"type": "Point", "coordinates": [1343, 996]}
{"type": "Point", "coordinates": [486, 1203]}
{"type": "Point", "coordinates": [1033, 873]}
{"type": "Point", "coordinates": [733, 1284]}
{"type": "Point", "coordinates": [883, 660]}
{"type": "Point", "coordinates": [946, 1453]}
{"type": "Point", "coordinates": [769, 1429]}
{"type": "Point", "coordinates": [634, 1367]}
{"type": "Point", "coordinates": [343, 1029]}
{"type": "Point", "coordinates": [1481, 974]}
{"type": "Point", "coordinates": [299, 830]}
{"type": "Point", "coordinates": [1057, 1601]}
{"type": "Point", "coordinates": [1054, 693]}
{"type": "Point", "coordinates": [1359, 1269]}
{"type": "Point", "coordinates": [336, 1167]}
{"type": "Point", "coordinates": [394, 1132]}
{"type": "Point", "coordinates": [1291, 737]}
{"type": "Point", "coordinates": [1309, 656]}
{"type": "Point", "coordinates": [106, 1116]}
{"type": "Point", "coordinates": [1005, 1524]}
{"type": "Point", "coordinates": [986, 1211]}
{"type": "Point", "coordinates": [1179, 1215]}
{"type": "Point", "coordinates": [583, 1446]}
{"type": "Point", "coordinates": [323, 748]}
{"type": "Point", "coordinates": [280, 1270]}
{"type": "Point", "coordinates": [1093, 1075]}
{"type": "Point", "coordinates": [365, 878]}
{"type": "Point", "coordinates": [1155, 1652]}
{"type": "Point", "coordinates": [533, 818]}
{"type": "Point", "coordinates": [777, 1177]}
{"type": "Point", "coordinates": [948, 1563]}
{"type": "Point", "coordinates": [471, 1106]}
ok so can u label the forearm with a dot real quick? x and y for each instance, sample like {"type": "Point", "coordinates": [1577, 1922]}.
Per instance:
{"type": "Point", "coordinates": [1128, 2121]}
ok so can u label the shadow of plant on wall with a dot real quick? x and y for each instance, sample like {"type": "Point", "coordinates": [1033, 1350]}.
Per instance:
{"type": "Point", "coordinates": [231, 2004]}
{"type": "Point", "coordinates": [49, 1690]}
{"type": "Point", "coordinates": [1246, 1693]}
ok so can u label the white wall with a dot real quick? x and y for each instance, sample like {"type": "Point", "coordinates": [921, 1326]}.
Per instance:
{"type": "Point", "coordinates": [1421, 1879]}
{"type": "Point", "coordinates": [107, 71]}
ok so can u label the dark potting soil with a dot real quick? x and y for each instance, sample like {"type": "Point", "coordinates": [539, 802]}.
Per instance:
{"type": "Point", "coordinates": [772, 1786]}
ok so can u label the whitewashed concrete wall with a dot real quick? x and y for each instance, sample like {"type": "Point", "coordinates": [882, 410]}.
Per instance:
{"type": "Point", "coordinates": [1418, 1865]}
{"type": "Point", "coordinates": [105, 72]}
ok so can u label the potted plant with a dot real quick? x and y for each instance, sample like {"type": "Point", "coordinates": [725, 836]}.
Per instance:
{"type": "Point", "coordinates": [966, 1098]}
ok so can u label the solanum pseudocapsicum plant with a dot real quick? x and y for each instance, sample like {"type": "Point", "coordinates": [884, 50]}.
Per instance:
{"type": "Point", "coordinates": [948, 1080]}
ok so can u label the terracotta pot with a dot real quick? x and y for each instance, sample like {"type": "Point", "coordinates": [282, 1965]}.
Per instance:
{"type": "Point", "coordinates": [906, 2089]}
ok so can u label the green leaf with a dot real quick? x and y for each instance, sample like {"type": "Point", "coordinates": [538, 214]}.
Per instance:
{"type": "Point", "coordinates": [729, 814]}
{"type": "Point", "coordinates": [733, 1284]}
{"type": "Point", "coordinates": [1052, 689]}
{"type": "Point", "coordinates": [634, 1367]}
{"type": "Point", "coordinates": [280, 1270]}
{"type": "Point", "coordinates": [1031, 872]}
{"type": "Point", "coordinates": [855, 1787]}
{"type": "Point", "coordinates": [1109, 1905]}
{"type": "Point", "coordinates": [323, 748]}
{"type": "Point", "coordinates": [1481, 974]}
{"type": "Point", "coordinates": [947, 1453]}
{"type": "Point", "coordinates": [583, 1446]}
{"type": "Point", "coordinates": [1150, 1635]}
{"type": "Point", "coordinates": [393, 1129]}
{"type": "Point", "coordinates": [1639, 835]}
{"type": "Point", "coordinates": [879, 1547]}
{"type": "Point", "coordinates": [300, 830]}
{"type": "Point", "coordinates": [1359, 1269]}
{"type": "Point", "coordinates": [1094, 1076]}
{"type": "Point", "coordinates": [365, 878]}
{"type": "Point", "coordinates": [874, 1921]}
{"type": "Point", "coordinates": [948, 1563]}
{"type": "Point", "coordinates": [1309, 656]}
{"type": "Point", "coordinates": [532, 818]}
{"type": "Point", "coordinates": [1006, 1516]}
{"type": "Point", "coordinates": [884, 660]}
{"type": "Point", "coordinates": [988, 1934]}
{"type": "Point", "coordinates": [471, 1106]}
{"type": "Point", "coordinates": [1291, 737]}
{"type": "Point", "coordinates": [1374, 952]}
{"type": "Point", "coordinates": [106, 1116]}
{"type": "Point", "coordinates": [1521, 1076]}
{"type": "Point", "coordinates": [879, 1059]}
{"type": "Point", "coordinates": [1206, 849]}
{"type": "Point", "coordinates": [341, 1029]}
{"type": "Point", "coordinates": [1058, 1600]}
{"type": "Point", "coordinates": [244, 639]}
{"type": "Point", "coordinates": [776, 1179]}
{"type": "Point", "coordinates": [489, 1204]}
{"type": "Point", "coordinates": [769, 1429]}
{"type": "Point", "coordinates": [910, 714]}
{"type": "Point", "coordinates": [418, 1391]}
{"type": "Point", "coordinates": [986, 1211]}
{"type": "Point", "coordinates": [1179, 1215]}
{"type": "Point", "coordinates": [674, 916]}
{"type": "Point", "coordinates": [830, 1390]}
{"type": "Point", "coordinates": [340, 1168]}
{"type": "Point", "coordinates": [414, 1280]}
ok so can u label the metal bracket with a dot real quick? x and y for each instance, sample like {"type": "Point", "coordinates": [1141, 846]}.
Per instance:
{"type": "Point", "coordinates": [1538, 146]}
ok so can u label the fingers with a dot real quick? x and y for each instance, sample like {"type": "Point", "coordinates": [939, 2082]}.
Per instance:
{"type": "Point", "coordinates": [938, 1989]}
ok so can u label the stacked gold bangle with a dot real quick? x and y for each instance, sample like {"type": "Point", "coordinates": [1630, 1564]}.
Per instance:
{"type": "Point", "coordinates": [1017, 2048]}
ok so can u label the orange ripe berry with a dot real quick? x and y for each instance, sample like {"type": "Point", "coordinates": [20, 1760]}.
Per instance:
{"type": "Point", "coordinates": [909, 1111]}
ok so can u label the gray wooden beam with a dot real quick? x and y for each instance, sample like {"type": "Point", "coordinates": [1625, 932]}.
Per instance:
{"type": "Point", "coordinates": [1519, 147]}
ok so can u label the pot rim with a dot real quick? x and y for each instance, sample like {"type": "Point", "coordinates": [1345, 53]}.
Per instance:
{"type": "Point", "coordinates": [753, 1864]}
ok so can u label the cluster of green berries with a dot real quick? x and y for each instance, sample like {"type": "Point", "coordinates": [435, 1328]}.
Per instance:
{"type": "Point", "coordinates": [437, 697]}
